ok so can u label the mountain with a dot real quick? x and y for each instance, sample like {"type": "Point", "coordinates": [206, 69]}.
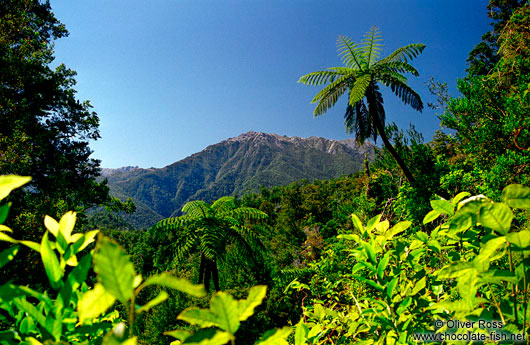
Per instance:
{"type": "Point", "coordinates": [233, 166]}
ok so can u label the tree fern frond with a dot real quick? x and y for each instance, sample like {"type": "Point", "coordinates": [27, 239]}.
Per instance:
{"type": "Point", "coordinates": [371, 47]}
{"type": "Point", "coordinates": [321, 77]}
{"type": "Point", "coordinates": [397, 67]}
{"type": "Point", "coordinates": [403, 91]}
{"type": "Point", "coordinates": [405, 53]}
{"type": "Point", "coordinates": [350, 53]}
{"type": "Point", "coordinates": [330, 95]}
{"type": "Point", "coordinates": [223, 205]}
{"type": "Point", "coordinates": [170, 224]}
{"type": "Point", "coordinates": [360, 122]}
{"type": "Point", "coordinates": [185, 246]}
{"type": "Point", "coordinates": [197, 209]}
{"type": "Point", "coordinates": [249, 213]}
{"type": "Point", "coordinates": [358, 89]}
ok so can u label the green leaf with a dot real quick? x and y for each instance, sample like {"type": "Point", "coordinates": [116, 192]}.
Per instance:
{"type": "Point", "coordinates": [32, 311]}
{"type": "Point", "coordinates": [227, 311]}
{"type": "Point", "coordinates": [459, 197]}
{"type": "Point", "coordinates": [300, 334]}
{"type": "Point", "coordinates": [4, 211]}
{"type": "Point", "coordinates": [11, 182]}
{"type": "Point", "coordinates": [432, 215]}
{"type": "Point", "coordinates": [498, 277]}
{"type": "Point", "coordinates": [520, 239]}
{"type": "Point", "coordinates": [94, 302]}
{"type": "Point", "coordinates": [489, 252]}
{"type": "Point", "coordinates": [279, 337]}
{"type": "Point", "coordinates": [357, 223]}
{"type": "Point", "coordinates": [443, 206]}
{"type": "Point", "coordinates": [403, 305]}
{"type": "Point", "coordinates": [255, 297]}
{"type": "Point", "coordinates": [382, 266]}
{"type": "Point", "coordinates": [160, 298]}
{"type": "Point", "coordinates": [370, 252]}
{"type": "Point", "coordinates": [8, 255]}
{"type": "Point", "coordinates": [398, 228]}
{"type": "Point", "coordinates": [114, 270]}
{"type": "Point", "coordinates": [167, 280]}
{"type": "Point", "coordinates": [208, 337]}
{"type": "Point", "coordinates": [51, 263]}
{"type": "Point", "coordinates": [200, 317]}
{"type": "Point", "coordinates": [391, 286]}
{"type": "Point", "coordinates": [373, 222]}
{"type": "Point", "coordinates": [370, 282]}
{"type": "Point", "coordinates": [455, 270]}
{"type": "Point", "coordinates": [420, 285]}
{"type": "Point", "coordinates": [496, 216]}
{"type": "Point", "coordinates": [461, 222]}
{"type": "Point", "coordinates": [516, 196]}
{"type": "Point", "coordinates": [83, 241]}
{"type": "Point", "coordinates": [350, 237]}
{"type": "Point", "coordinates": [178, 334]}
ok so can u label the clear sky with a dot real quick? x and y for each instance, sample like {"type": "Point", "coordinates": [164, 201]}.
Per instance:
{"type": "Point", "coordinates": [170, 77]}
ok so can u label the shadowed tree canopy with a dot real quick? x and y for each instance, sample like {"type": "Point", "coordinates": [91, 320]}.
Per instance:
{"type": "Point", "coordinates": [485, 55]}
{"type": "Point", "coordinates": [360, 77]}
{"type": "Point", "coordinates": [44, 128]}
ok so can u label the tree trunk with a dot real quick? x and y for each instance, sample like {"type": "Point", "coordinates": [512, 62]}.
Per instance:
{"type": "Point", "coordinates": [373, 105]}
{"type": "Point", "coordinates": [207, 276]}
{"type": "Point", "coordinates": [201, 269]}
{"type": "Point", "coordinates": [215, 275]}
{"type": "Point", "coordinates": [393, 152]}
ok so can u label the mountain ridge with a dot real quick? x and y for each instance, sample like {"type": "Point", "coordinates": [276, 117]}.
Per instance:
{"type": "Point", "coordinates": [233, 166]}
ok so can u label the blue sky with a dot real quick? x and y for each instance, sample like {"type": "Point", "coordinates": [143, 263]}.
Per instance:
{"type": "Point", "coordinates": [170, 77]}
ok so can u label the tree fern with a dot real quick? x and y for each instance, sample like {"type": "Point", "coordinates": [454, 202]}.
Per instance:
{"type": "Point", "coordinates": [209, 229]}
{"type": "Point", "coordinates": [362, 70]}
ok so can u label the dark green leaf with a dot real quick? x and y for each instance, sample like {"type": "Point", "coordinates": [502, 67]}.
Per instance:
{"type": "Point", "coordinates": [8, 254]}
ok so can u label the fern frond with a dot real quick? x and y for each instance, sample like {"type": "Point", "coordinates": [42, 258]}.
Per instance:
{"type": "Point", "coordinates": [249, 213]}
{"type": "Point", "coordinates": [358, 89]}
{"type": "Point", "coordinates": [403, 91]}
{"type": "Point", "coordinates": [321, 77]}
{"type": "Point", "coordinates": [405, 53]}
{"type": "Point", "coordinates": [185, 247]}
{"type": "Point", "coordinates": [350, 53]}
{"type": "Point", "coordinates": [285, 277]}
{"type": "Point", "coordinates": [328, 96]}
{"type": "Point", "coordinates": [371, 46]}
{"type": "Point", "coordinates": [223, 205]}
{"type": "Point", "coordinates": [197, 209]}
{"type": "Point", "coordinates": [397, 67]}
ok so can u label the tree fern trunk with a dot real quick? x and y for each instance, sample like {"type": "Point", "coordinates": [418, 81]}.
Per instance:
{"type": "Point", "coordinates": [215, 275]}
{"type": "Point", "coordinates": [207, 274]}
{"type": "Point", "coordinates": [201, 269]}
{"type": "Point", "coordinates": [393, 152]}
{"type": "Point", "coordinates": [377, 111]}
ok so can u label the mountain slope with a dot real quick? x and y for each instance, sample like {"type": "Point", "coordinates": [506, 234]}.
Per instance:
{"type": "Point", "coordinates": [235, 165]}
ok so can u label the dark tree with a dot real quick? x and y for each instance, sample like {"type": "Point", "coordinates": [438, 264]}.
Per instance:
{"type": "Point", "coordinates": [44, 128]}
{"type": "Point", "coordinates": [484, 56]}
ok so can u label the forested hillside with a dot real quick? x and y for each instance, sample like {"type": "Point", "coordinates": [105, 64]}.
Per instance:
{"type": "Point", "coordinates": [232, 167]}
{"type": "Point", "coordinates": [429, 242]}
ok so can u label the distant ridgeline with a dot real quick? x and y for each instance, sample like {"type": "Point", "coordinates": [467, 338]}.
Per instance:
{"type": "Point", "coordinates": [233, 166]}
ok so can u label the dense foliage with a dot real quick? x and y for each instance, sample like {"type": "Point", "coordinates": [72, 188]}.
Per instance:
{"type": "Point", "coordinates": [44, 128]}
